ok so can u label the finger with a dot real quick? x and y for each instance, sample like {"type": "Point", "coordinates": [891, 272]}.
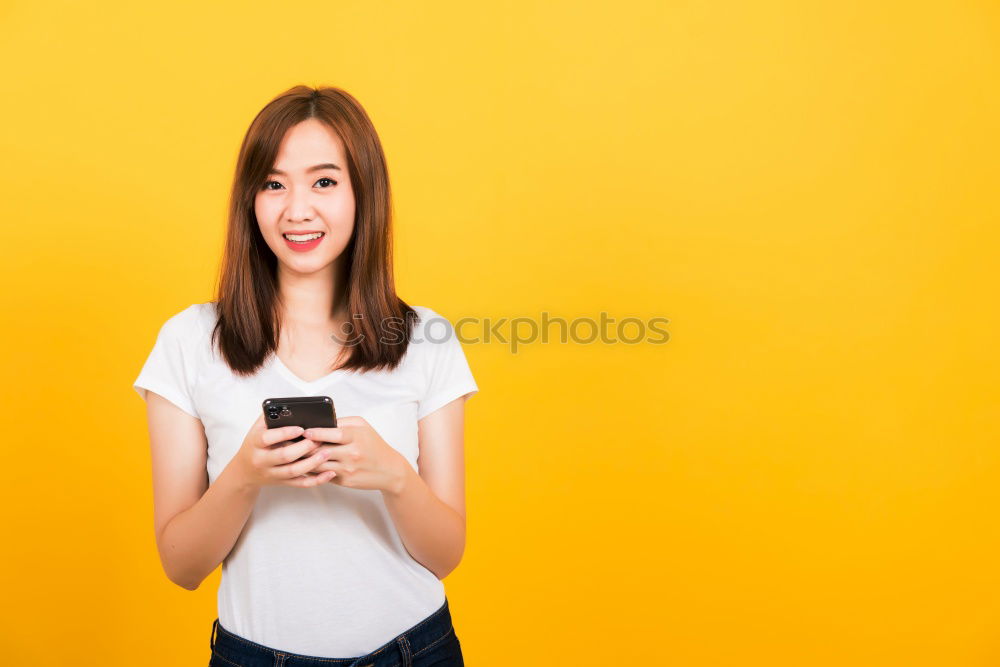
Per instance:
{"type": "Point", "coordinates": [310, 480]}
{"type": "Point", "coordinates": [331, 462]}
{"type": "Point", "coordinates": [335, 467]}
{"type": "Point", "coordinates": [321, 468]}
{"type": "Point", "coordinates": [276, 435]}
{"type": "Point", "coordinates": [342, 453]}
{"type": "Point", "coordinates": [290, 470]}
{"type": "Point", "coordinates": [331, 435]}
{"type": "Point", "coordinates": [290, 452]}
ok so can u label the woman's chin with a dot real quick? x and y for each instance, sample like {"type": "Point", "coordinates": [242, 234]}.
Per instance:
{"type": "Point", "coordinates": [305, 265]}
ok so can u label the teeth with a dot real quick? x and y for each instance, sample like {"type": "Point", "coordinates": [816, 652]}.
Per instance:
{"type": "Point", "coordinates": [303, 237]}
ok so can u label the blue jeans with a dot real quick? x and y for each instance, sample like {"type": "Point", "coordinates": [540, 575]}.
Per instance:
{"type": "Point", "coordinates": [431, 642]}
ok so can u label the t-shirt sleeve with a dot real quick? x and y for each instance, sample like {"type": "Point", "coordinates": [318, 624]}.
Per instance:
{"type": "Point", "coordinates": [447, 370]}
{"type": "Point", "coordinates": [170, 369]}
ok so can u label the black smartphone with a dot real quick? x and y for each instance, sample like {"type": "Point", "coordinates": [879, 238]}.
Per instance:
{"type": "Point", "coordinates": [304, 411]}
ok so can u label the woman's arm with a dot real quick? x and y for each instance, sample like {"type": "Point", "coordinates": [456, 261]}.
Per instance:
{"type": "Point", "coordinates": [196, 524]}
{"type": "Point", "coordinates": [428, 508]}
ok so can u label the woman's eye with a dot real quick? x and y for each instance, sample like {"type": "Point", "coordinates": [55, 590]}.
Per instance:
{"type": "Point", "coordinates": [268, 183]}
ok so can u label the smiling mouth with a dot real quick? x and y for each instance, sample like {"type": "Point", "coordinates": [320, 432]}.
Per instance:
{"type": "Point", "coordinates": [303, 238]}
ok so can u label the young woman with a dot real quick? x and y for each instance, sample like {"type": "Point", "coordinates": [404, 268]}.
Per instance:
{"type": "Point", "coordinates": [333, 547]}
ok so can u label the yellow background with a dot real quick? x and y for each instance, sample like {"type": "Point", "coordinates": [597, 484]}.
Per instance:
{"type": "Point", "coordinates": [806, 474]}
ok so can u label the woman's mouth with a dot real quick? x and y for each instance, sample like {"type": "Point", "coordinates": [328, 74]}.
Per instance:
{"type": "Point", "coordinates": [304, 241]}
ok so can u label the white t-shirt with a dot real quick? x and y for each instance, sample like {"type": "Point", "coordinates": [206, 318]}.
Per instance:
{"type": "Point", "coordinates": [320, 571]}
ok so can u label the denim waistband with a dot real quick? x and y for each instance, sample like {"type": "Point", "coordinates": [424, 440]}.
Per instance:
{"type": "Point", "coordinates": [401, 650]}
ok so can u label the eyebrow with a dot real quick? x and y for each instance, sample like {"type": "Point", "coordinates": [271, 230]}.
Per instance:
{"type": "Point", "coordinates": [318, 167]}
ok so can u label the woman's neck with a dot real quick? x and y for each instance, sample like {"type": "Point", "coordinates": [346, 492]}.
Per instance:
{"type": "Point", "coordinates": [312, 302]}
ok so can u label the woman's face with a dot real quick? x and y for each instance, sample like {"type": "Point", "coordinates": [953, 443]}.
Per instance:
{"type": "Point", "coordinates": [308, 190]}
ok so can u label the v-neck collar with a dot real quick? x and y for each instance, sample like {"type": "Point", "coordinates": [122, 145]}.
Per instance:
{"type": "Point", "coordinates": [308, 387]}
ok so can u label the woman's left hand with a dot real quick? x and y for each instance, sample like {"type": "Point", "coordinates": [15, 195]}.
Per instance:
{"type": "Point", "coordinates": [359, 456]}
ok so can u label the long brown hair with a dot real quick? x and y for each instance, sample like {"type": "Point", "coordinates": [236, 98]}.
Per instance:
{"type": "Point", "coordinates": [249, 326]}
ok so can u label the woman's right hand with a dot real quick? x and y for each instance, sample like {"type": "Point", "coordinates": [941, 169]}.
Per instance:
{"type": "Point", "coordinates": [267, 458]}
